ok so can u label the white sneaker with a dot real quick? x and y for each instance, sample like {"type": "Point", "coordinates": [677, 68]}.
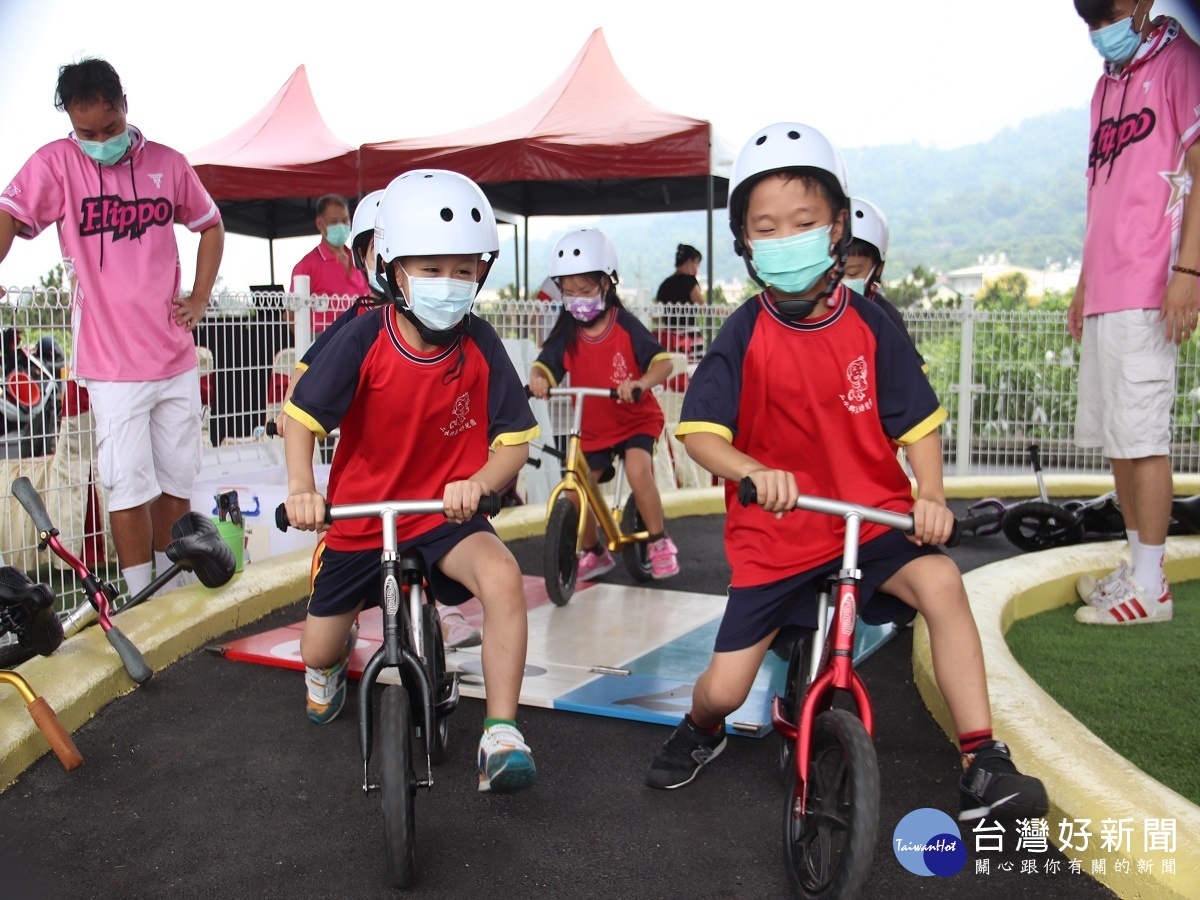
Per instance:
{"type": "Point", "coordinates": [1093, 590]}
{"type": "Point", "coordinates": [505, 760]}
{"type": "Point", "coordinates": [1128, 603]}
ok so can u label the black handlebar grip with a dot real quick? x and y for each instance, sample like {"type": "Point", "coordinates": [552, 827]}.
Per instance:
{"type": "Point", "coordinates": [281, 519]}
{"type": "Point", "coordinates": [533, 462]}
{"type": "Point", "coordinates": [1035, 456]}
{"type": "Point", "coordinates": [955, 535]}
{"type": "Point", "coordinates": [135, 664]}
{"type": "Point", "coordinates": [528, 392]}
{"type": "Point", "coordinates": [29, 498]}
{"type": "Point", "coordinates": [271, 430]}
{"type": "Point", "coordinates": [747, 492]}
{"type": "Point", "coordinates": [637, 394]}
{"type": "Point", "coordinates": [490, 505]}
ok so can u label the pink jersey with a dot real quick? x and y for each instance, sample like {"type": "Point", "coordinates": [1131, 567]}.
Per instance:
{"type": "Point", "coordinates": [1143, 121]}
{"type": "Point", "coordinates": [116, 230]}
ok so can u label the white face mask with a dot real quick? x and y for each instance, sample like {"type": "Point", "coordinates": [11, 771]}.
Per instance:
{"type": "Point", "coordinates": [440, 303]}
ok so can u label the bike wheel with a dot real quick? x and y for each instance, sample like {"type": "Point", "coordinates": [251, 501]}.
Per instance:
{"type": "Point", "coordinates": [439, 681]}
{"type": "Point", "coordinates": [799, 665]}
{"type": "Point", "coordinates": [636, 556]}
{"type": "Point", "coordinates": [561, 562]}
{"type": "Point", "coordinates": [397, 786]}
{"type": "Point", "coordinates": [1039, 526]}
{"type": "Point", "coordinates": [828, 851]}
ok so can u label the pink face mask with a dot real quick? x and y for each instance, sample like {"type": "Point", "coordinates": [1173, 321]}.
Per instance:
{"type": "Point", "coordinates": [584, 309]}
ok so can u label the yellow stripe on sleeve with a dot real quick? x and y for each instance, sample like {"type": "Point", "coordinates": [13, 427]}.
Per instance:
{"type": "Point", "coordinates": [923, 428]}
{"type": "Point", "coordinates": [696, 427]}
{"type": "Point", "coordinates": [305, 419]}
{"type": "Point", "coordinates": [513, 438]}
{"type": "Point", "coordinates": [549, 374]}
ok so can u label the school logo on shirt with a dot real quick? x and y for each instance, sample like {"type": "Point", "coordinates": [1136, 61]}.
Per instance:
{"type": "Point", "coordinates": [12, 190]}
{"type": "Point", "coordinates": [620, 369]}
{"type": "Point", "coordinates": [462, 417]}
{"type": "Point", "coordinates": [856, 399]}
{"type": "Point", "coordinates": [1113, 137]}
{"type": "Point", "coordinates": [124, 218]}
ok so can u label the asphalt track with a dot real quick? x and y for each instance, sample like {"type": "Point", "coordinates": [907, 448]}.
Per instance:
{"type": "Point", "coordinates": [210, 782]}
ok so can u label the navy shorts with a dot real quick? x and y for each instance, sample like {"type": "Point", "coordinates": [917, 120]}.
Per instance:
{"type": "Point", "coordinates": [790, 604]}
{"type": "Point", "coordinates": [347, 577]}
{"type": "Point", "coordinates": [602, 460]}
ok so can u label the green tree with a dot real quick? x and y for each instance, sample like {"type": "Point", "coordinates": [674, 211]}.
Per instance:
{"type": "Point", "coordinates": [1009, 291]}
{"type": "Point", "coordinates": [914, 287]}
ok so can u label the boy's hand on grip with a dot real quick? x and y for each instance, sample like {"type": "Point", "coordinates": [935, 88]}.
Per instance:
{"type": "Point", "coordinates": [539, 384]}
{"type": "Point", "coordinates": [777, 491]}
{"type": "Point", "coordinates": [461, 499]}
{"type": "Point", "coordinates": [630, 391]}
{"type": "Point", "coordinates": [933, 523]}
{"type": "Point", "coordinates": [306, 511]}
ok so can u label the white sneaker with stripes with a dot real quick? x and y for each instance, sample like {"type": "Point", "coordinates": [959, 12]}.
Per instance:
{"type": "Point", "coordinates": [1128, 603]}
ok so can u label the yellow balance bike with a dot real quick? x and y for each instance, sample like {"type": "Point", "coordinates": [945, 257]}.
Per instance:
{"type": "Point", "coordinates": [564, 522]}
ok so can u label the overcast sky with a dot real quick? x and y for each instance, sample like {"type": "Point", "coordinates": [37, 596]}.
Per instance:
{"type": "Point", "coordinates": [866, 72]}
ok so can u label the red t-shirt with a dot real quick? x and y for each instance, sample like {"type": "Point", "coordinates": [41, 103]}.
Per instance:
{"type": "Point", "coordinates": [828, 400]}
{"type": "Point", "coordinates": [410, 423]}
{"type": "Point", "coordinates": [624, 350]}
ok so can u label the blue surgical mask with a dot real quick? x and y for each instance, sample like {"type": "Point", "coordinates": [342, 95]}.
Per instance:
{"type": "Point", "coordinates": [1119, 41]}
{"type": "Point", "coordinates": [337, 235]}
{"type": "Point", "coordinates": [585, 309]}
{"type": "Point", "coordinates": [858, 285]}
{"type": "Point", "coordinates": [110, 152]}
{"type": "Point", "coordinates": [440, 303]}
{"type": "Point", "coordinates": [793, 264]}
{"type": "Point", "coordinates": [373, 281]}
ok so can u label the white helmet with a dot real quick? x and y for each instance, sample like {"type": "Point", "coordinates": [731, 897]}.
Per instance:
{"type": "Point", "coordinates": [432, 212]}
{"type": "Point", "coordinates": [868, 223]}
{"type": "Point", "coordinates": [785, 145]}
{"type": "Point", "coordinates": [582, 252]}
{"type": "Point", "coordinates": [363, 227]}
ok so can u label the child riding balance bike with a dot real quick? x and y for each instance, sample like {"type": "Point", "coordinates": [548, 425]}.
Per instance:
{"type": "Point", "coordinates": [601, 345]}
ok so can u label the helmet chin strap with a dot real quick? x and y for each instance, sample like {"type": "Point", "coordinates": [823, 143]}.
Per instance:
{"type": "Point", "coordinates": [800, 309]}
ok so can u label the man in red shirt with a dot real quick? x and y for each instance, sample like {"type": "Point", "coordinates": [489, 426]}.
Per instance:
{"type": "Point", "coordinates": [331, 271]}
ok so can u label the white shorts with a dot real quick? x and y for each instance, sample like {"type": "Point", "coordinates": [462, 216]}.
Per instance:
{"type": "Point", "coordinates": [148, 437]}
{"type": "Point", "coordinates": [1126, 385]}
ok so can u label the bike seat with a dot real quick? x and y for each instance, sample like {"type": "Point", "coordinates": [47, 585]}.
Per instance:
{"type": "Point", "coordinates": [198, 546]}
{"type": "Point", "coordinates": [27, 609]}
{"type": "Point", "coordinates": [1187, 512]}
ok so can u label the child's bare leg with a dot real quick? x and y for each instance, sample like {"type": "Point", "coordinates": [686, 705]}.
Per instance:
{"type": "Point", "coordinates": [639, 469]}
{"type": "Point", "coordinates": [324, 638]}
{"type": "Point", "coordinates": [726, 683]}
{"type": "Point", "coordinates": [933, 586]}
{"type": "Point", "coordinates": [484, 566]}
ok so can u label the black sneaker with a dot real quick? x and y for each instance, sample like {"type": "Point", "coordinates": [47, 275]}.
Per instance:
{"type": "Point", "coordinates": [993, 788]}
{"type": "Point", "coordinates": [684, 754]}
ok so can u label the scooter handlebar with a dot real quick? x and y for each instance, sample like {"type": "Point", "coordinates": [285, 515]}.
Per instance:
{"type": "Point", "coordinates": [489, 505]}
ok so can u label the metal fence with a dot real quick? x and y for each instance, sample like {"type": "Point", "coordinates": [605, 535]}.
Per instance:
{"type": "Point", "coordinates": [1006, 378]}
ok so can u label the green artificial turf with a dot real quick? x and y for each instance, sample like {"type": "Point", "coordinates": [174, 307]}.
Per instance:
{"type": "Point", "coordinates": [1136, 687]}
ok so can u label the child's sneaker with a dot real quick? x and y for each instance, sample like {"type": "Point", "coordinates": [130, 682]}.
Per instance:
{"type": "Point", "coordinates": [992, 788]}
{"type": "Point", "coordinates": [505, 760]}
{"type": "Point", "coordinates": [684, 754]}
{"type": "Point", "coordinates": [661, 554]}
{"type": "Point", "coordinates": [457, 632]}
{"type": "Point", "coordinates": [1093, 590]}
{"type": "Point", "coordinates": [593, 564]}
{"type": "Point", "coordinates": [327, 687]}
{"type": "Point", "coordinates": [1128, 603]}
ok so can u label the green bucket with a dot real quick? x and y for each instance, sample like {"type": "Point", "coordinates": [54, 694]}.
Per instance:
{"type": "Point", "coordinates": [235, 537]}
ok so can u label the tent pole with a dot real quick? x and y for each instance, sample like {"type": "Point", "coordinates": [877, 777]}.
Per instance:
{"type": "Point", "coordinates": [526, 230]}
{"type": "Point", "coordinates": [517, 262]}
{"type": "Point", "coordinates": [709, 257]}
{"type": "Point", "coordinates": [271, 251]}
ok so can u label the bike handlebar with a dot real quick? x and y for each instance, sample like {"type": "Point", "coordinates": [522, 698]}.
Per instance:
{"type": "Point", "coordinates": [489, 505]}
{"type": "Point", "coordinates": [748, 493]}
{"type": "Point", "coordinates": [270, 430]}
{"type": "Point", "coordinates": [610, 393]}
{"type": "Point", "coordinates": [29, 498]}
{"type": "Point", "coordinates": [56, 736]}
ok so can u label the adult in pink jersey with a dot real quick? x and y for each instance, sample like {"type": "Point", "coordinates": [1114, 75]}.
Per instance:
{"type": "Point", "coordinates": [1137, 296]}
{"type": "Point", "coordinates": [329, 266]}
{"type": "Point", "coordinates": [115, 198]}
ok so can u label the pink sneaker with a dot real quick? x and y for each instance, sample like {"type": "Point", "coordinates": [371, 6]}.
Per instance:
{"type": "Point", "coordinates": [593, 565]}
{"type": "Point", "coordinates": [663, 563]}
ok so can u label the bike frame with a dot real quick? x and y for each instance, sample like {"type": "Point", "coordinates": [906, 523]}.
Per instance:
{"type": "Point", "coordinates": [403, 639]}
{"type": "Point", "coordinates": [577, 477]}
{"type": "Point", "coordinates": [836, 671]}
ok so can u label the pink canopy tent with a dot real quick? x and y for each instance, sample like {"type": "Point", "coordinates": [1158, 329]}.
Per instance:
{"type": "Point", "coordinates": [266, 174]}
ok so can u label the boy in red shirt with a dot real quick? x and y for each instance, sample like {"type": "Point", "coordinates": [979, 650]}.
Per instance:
{"type": "Point", "coordinates": [428, 404]}
{"type": "Point", "coordinates": [808, 389]}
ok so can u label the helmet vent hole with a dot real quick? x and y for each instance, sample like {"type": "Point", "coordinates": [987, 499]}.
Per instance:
{"type": "Point", "coordinates": [575, 252]}
{"type": "Point", "coordinates": [428, 176]}
{"type": "Point", "coordinates": [794, 135]}
{"type": "Point", "coordinates": [761, 140]}
{"type": "Point", "coordinates": [475, 214]}
{"type": "Point", "coordinates": [858, 213]}
{"type": "Point", "coordinates": [560, 253]}
{"type": "Point", "coordinates": [447, 214]}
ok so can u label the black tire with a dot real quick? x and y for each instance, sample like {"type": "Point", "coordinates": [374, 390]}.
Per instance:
{"type": "Point", "coordinates": [799, 665]}
{"type": "Point", "coordinates": [829, 850]}
{"type": "Point", "coordinates": [1037, 526]}
{"type": "Point", "coordinates": [439, 681]}
{"type": "Point", "coordinates": [636, 556]}
{"type": "Point", "coordinates": [397, 786]}
{"type": "Point", "coordinates": [561, 561]}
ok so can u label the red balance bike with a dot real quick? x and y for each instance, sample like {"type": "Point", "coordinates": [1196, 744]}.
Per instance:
{"type": "Point", "coordinates": [831, 802]}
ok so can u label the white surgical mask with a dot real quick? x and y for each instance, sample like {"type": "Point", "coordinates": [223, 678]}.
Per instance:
{"type": "Point", "coordinates": [440, 303]}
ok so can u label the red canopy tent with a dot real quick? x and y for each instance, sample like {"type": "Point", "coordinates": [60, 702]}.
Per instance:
{"type": "Point", "coordinates": [589, 144]}
{"type": "Point", "coordinates": [266, 174]}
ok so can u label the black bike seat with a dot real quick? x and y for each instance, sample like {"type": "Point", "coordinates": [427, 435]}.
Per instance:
{"type": "Point", "coordinates": [27, 609]}
{"type": "Point", "coordinates": [1187, 511]}
{"type": "Point", "coordinates": [199, 546]}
